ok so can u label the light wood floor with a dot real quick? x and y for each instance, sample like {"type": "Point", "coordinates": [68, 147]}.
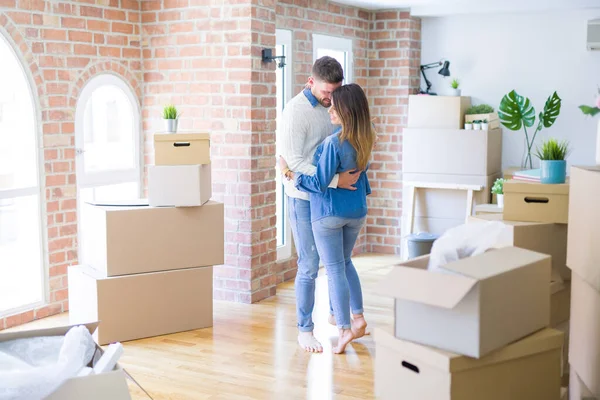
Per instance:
{"type": "Point", "coordinates": [251, 351]}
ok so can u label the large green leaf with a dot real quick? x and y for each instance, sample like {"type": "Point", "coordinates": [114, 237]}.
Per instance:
{"type": "Point", "coordinates": [551, 110]}
{"type": "Point", "coordinates": [516, 111]}
{"type": "Point", "coordinates": [587, 110]}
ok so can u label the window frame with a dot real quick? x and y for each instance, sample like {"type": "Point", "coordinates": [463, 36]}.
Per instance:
{"type": "Point", "coordinates": [338, 44]}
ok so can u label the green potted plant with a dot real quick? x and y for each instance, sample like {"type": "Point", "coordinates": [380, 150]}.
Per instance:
{"type": "Point", "coordinates": [553, 162]}
{"type": "Point", "coordinates": [468, 126]}
{"type": "Point", "coordinates": [482, 112]}
{"type": "Point", "coordinates": [454, 84]}
{"type": "Point", "coordinates": [498, 190]}
{"type": "Point", "coordinates": [476, 125]}
{"type": "Point", "coordinates": [171, 117]}
{"type": "Point", "coordinates": [517, 112]}
{"type": "Point", "coordinates": [484, 125]}
{"type": "Point", "coordinates": [592, 111]}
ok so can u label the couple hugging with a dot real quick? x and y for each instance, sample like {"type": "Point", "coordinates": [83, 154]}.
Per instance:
{"type": "Point", "coordinates": [326, 139]}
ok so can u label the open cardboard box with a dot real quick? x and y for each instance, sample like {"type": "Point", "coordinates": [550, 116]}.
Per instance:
{"type": "Point", "coordinates": [110, 385]}
{"type": "Point", "coordinates": [481, 304]}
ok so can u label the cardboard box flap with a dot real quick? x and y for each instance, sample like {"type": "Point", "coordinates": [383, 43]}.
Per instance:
{"type": "Point", "coordinates": [590, 168]}
{"type": "Point", "coordinates": [495, 262]}
{"type": "Point", "coordinates": [515, 186]}
{"type": "Point", "coordinates": [433, 288]}
{"type": "Point", "coordinates": [540, 341]}
{"type": "Point", "coordinates": [181, 137]}
{"type": "Point", "coordinates": [56, 331]}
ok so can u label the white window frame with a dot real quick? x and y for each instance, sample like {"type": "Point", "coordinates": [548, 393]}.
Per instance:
{"type": "Point", "coordinates": [107, 177]}
{"type": "Point", "coordinates": [38, 190]}
{"type": "Point", "coordinates": [338, 44]}
{"type": "Point", "coordinates": [284, 37]}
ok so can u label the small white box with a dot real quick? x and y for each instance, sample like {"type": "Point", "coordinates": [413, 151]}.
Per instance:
{"type": "Point", "coordinates": [179, 185]}
{"type": "Point", "coordinates": [477, 305]}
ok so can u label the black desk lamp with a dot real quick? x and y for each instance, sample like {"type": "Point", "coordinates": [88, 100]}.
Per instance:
{"type": "Point", "coordinates": [445, 71]}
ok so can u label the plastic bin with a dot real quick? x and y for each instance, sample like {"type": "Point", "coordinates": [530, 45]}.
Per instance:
{"type": "Point", "coordinates": [419, 244]}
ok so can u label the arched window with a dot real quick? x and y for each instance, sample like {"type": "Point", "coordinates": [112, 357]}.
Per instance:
{"type": "Point", "coordinates": [22, 266]}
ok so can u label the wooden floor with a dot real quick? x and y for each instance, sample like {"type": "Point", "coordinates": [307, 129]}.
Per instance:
{"type": "Point", "coordinates": [251, 351]}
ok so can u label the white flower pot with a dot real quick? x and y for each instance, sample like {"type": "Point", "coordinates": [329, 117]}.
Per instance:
{"type": "Point", "coordinates": [454, 92]}
{"type": "Point", "coordinates": [171, 125]}
{"type": "Point", "coordinates": [500, 200]}
{"type": "Point", "coordinates": [469, 127]}
{"type": "Point", "coordinates": [484, 126]}
{"type": "Point", "coordinates": [476, 127]}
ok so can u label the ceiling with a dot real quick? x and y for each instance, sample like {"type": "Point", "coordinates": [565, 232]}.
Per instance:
{"type": "Point", "coordinates": [453, 7]}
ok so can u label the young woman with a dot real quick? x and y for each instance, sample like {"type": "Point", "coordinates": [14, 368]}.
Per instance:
{"type": "Point", "coordinates": [337, 216]}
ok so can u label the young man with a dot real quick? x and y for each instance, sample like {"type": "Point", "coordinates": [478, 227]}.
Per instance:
{"type": "Point", "coordinates": [305, 123]}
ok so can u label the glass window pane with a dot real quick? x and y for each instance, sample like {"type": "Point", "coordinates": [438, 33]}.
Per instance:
{"type": "Point", "coordinates": [108, 193]}
{"type": "Point", "coordinates": [21, 269]}
{"type": "Point", "coordinates": [109, 131]}
{"type": "Point", "coordinates": [18, 164]}
{"type": "Point", "coordinates": [341, 56]}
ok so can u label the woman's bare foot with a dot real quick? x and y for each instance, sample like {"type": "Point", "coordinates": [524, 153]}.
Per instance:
{"type": "Point", "coordinates": [359, 326]}
{"type": "Point", "coordinates": [309, 343]}
{"type": "Point", "coordinates": [331, 319]}
{"type": "Point", "coordinates": [346, 337]}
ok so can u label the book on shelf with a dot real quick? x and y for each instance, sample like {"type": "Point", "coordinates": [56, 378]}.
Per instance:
{"type": "Point", "coordinates": [528, 175]}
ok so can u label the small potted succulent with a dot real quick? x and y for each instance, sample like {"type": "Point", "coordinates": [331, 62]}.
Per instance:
{"type": "Point", "coordinates": [477, 125]}
{"type": "Point", "coordinates": [484, 125]}
{"type": "Point", "coordinates": [468, 126]}
{"type": "Point", "coordinates": [498, 190]}
{"type": "Point", "coordinates": [171, 117]}
{"type": "Point", "coordinates": [553, 162]}
{"type": "Point", "coordinates": [455, 90]}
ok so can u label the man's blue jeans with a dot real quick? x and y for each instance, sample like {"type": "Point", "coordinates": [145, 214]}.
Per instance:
{"type": "Point", "coordinates": [335, 238]}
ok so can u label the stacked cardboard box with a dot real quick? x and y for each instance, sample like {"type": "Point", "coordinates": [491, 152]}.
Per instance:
{"type": "Point", "coordinates": [436, 149]}
{"type": "Point", "coordinates": [583, 258]}
{"type": "Point", "coordinates": [478, 329]}
{"type": "Point", "coordinates": [146, 267]}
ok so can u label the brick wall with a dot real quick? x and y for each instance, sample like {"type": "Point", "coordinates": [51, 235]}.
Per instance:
{"type": "Point", "coordinates": [394, 59]}
{"type": "Point", "coordinates": [64, 44]}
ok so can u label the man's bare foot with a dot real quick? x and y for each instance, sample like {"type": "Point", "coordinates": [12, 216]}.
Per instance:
{"type": "Point", "coordinates": [331, 319]}
{"type": "Point", "coordinates": [309, 343]}
{"type": "Point", "coordinates": [346, 337]}
{"type": "Point", "coordinates": [359, 326]}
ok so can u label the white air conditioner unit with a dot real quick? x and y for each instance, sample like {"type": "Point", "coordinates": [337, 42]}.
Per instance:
{"type": "Point", "coordinates": [593, 34]}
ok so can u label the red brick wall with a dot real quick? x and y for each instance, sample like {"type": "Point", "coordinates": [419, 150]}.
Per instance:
{"type": "Point", "coordinates": [63, 45]}
{"type": "Point", "coordinates": [394, 59]}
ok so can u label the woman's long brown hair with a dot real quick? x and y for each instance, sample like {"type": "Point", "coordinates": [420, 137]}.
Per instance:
{"type": "Point", "coordinates": [352, 107]}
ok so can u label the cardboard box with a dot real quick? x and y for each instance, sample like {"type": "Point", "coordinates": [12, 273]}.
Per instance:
{"type": "Point", "coordinates": [524, 370]}
{"type": "Point", "coordinates": [143, 305]}
{"type": "Point", "coordinates": [560, 303]}
{"type": "Point", "coordinates": [578, 390]}
{"type": "Point", "coordinates": [181, 148]}
{"type": "Point", "coordinates": [110, 385]}
{"type": "Point", "coordinates": [509, 172]}
{"type": "Point", "coordinates": [443, 112]}
{"type": "Point", "coordinates": [179, 185]}
{"type": "Point", "coordinates": [121, 240]}
{"type": "Point", "coordinates": [486, 209]}
{"type": "Point", "coordinates": [583, 246]}
{"type": "Point", "coordinates": [564, 328]}
{"type": "Point", "coordinates": [451, 151]}
{"type": "Point", "coordinates": [466, 308]}
{"type": "Point", "coordinates": [536, 202]}
{"type": "Point", "coordinates": [584, 333]}
{"type": "Point", "coordinates": [545, 238]}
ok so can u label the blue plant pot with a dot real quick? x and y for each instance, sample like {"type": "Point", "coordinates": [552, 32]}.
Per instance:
{"type": "Point", "coordinates": [553, 171]}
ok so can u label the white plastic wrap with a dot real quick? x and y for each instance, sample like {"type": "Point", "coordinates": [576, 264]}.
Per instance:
{"type": "Point", "coordinates": [32, 368]}
{"type": "Point", "coordinates": [466, 240]}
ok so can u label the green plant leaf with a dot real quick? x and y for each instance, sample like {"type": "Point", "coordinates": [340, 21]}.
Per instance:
{"type": "Point", "coordinates": [553, 150]}
{"type": "Point", "coordinates": [551, 110]}
{"type": "Point", "coordinates": [587, 110]}
{"type": "Point", "coordinates": [516, 111]}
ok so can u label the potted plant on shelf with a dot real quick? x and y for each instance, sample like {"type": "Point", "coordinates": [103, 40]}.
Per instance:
{"type": "Point", "coordinates": [476, 125]}
{"type": "Point", "coordinates": [482, 112]}
{"type": "Point", "coordinates": [484, 125]}
{"type": "Point", "coordinates": [171, 117]}
{"type": "Point", "coordinates": [592, 111]}
{"type": "Point", "coordinates": [455, 90]}
{"type": "Point", "coordinates": [517, 112]}
{"type": "Point", "coordinates": [553, 162]}
{"type": "Point", "coordinates": [468, 126]}
{"type": "Point", "coordinates": [498, 190]}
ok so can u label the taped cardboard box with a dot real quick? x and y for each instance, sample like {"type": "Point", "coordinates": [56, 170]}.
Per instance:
{"type": "Point", "coordinates": [442, 151]}
{"type": "Point", "coordinates": [536, 202]}
{"type": "Point", "coordinates": [142, 305]}
{"type": "Point", "coordinates": [583, 246]}
{"type": "Point", "coordinates": [109, 385]}
{"type": "Point", "coordinates": [181, 148]}
{"type": "Point", "coordinates": [584, 333]}
{"type": "Point", "coordinates": [466, 308]}
{"type": "Point", "coordinates": [523, 370]}
{"type": "Point", "coordinates": [546, 238]}
{"type": "Point", "coordinates": [124, 240]}
{"type": "Point", "coordinates": [179, 185]}
{"type": "Point", "coordinates": [444, 112]}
